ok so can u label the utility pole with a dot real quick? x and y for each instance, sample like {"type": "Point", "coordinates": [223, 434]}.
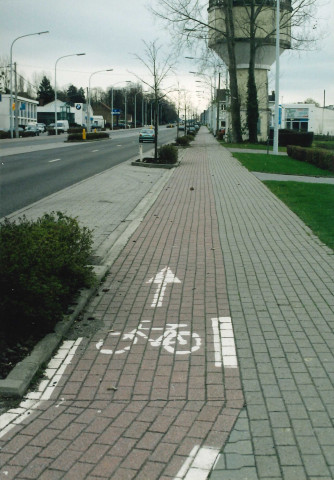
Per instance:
{"type": "Point", "coordinates": [16, 126]}
{"type": "Point", "coordinates": [218, 90]}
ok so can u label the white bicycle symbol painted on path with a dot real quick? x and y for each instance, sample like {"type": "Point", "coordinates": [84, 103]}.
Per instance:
{"type": "Point", "coordinates": [172, 339]}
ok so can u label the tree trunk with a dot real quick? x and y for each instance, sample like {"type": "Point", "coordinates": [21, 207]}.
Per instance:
{"type": "Point", "coordinates": [252, 101]}
{"type": "Point", "coordinates": [156, 127]}
{"type": "Point", "coordinates": [234, 93]}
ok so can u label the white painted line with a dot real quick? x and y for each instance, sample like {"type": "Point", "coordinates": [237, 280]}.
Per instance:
{"type": "Point", "coordinates": [216, 342]}
{"type": "Point", "coordinates": [32, 400]}
{"type": "Point", "coordinates": [199, 464]}
{"type": "Point", "coordinates": [224, 345]}
{"type": "Point", "coordinates": [93, 151]}
{"type": "Point", "coordinates": [163, 278]}
{"type": "Point", "coordinates": [55, 160]}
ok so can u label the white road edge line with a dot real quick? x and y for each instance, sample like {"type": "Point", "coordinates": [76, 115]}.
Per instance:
{"type": "Point", "coordinates": [199, 464]}
{"type": "Point", "coordinates": [223, 338]}
{"type": "Point", "coordinates": [32, 400]}
{"type": "Point", "coordinates": [55, 160]}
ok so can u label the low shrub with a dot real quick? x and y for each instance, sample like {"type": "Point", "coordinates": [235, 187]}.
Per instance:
{"type": "Point", "coordinates": [319, 157]}
{"type": "Point", "coordinates": [191, 136]}
{"type": "Point", "coordinates": [167, 154]}
{"type": "Point", "coordinates": [43, 265]}
{"type": "Point", "coordinates": [4, 134]}
{"type": "Point", "coordinates": [183, 141]}
{"type": "Point", "coordinates": [77, 137]}
{"type": "Point", "coordinates": [75, 130]}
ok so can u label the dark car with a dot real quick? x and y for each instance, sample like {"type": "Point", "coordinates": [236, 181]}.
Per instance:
{"type": "Point", "coordinates": [31, 131]}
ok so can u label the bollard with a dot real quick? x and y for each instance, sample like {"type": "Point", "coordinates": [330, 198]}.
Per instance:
{"type": "Point", "coordinates": [141, 152]}
{"type": "Point", "coordinates": [83, 134]}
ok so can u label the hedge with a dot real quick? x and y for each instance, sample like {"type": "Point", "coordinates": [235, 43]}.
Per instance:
{"type": "Point", "coordinates": [77, 137]}
{"type": "Point", "coordinates": [183, 141]}
{"type": "Point", "coordinates": [290, 137]}
{"type": "Point", "coordinates": [43, 265]}
{"type": "Point", "coordinates": [316, 156]}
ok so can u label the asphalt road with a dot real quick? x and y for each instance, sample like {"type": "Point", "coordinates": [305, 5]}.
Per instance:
{"type": "Point", "coordinates": [41, 166]}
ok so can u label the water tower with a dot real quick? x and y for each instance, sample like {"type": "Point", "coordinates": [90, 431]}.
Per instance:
{"type": "Point", "coordinates": [265, 36]}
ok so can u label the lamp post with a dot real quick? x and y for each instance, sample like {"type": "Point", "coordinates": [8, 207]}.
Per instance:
{"type": "Point", "coordinates": [88, 102]}
{"type": "Point", "coordinates": [135, 125]}
{"type": "Point", "coordinates": [64, 56]}
{"type": "Point", "coordinates": [275, 142]}
{"type": "Point", "coordinates": [11, 77]}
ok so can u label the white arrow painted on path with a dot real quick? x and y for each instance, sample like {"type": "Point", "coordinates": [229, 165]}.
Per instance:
{"type": "Point", "coordinates": [162, 278]}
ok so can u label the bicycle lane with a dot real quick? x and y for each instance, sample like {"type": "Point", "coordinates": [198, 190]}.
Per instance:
{"type": "Point", "coordinates": [155, 392]}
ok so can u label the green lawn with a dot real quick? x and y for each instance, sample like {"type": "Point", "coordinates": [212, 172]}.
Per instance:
{"type": "Point", "coordinates": [251, 146]}
{"type": "Point", "coordinates": [313, 203]}
{"type": "Point", "coordinates": [259, 162]}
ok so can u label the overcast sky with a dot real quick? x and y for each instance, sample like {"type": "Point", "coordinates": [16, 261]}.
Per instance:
{"type": "Point", "coordinates": [111, 33]}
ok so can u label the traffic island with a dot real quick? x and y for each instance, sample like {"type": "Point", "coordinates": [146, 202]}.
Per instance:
{"type": "Point", "coordinates": [150, 162]}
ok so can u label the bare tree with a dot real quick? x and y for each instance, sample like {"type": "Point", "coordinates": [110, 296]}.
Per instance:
{"type": "Point", "coordinates": [159, 67]}
{"type": "Point", "coordinates": [4, 74]}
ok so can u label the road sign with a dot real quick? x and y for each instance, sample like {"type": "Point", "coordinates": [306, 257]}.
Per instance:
{"type": "Point", "coordinates": [116, 111]}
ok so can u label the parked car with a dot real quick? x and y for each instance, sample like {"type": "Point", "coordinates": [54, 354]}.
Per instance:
{"type": "Point", "coordinates": [191, 129]}
{"type": "Point", "coordinates": [31, 131]}
{"type": "Point", "coordinates": [181, 127]}
{"type": "Point", "coordinates": [41, 127]}
{"type": "Point", "coordinates": [170, 125]}
{"type": "Point", "coordinates": [147, 135]}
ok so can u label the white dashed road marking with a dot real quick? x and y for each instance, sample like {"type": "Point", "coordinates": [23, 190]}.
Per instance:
{"type": "Point", "coordinates": [225, 352]}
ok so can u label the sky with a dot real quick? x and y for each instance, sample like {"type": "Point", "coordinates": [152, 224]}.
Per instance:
{"type": "Point", "coordinates": [111, 34]}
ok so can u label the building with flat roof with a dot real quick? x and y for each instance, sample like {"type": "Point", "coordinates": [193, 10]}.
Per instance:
{"type": "Point", "coordinates": [305, 117]}
{"type": "Point", "coordinates": [24, 111]}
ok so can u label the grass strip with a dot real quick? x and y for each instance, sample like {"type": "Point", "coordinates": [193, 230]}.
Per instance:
{"type": "Point", "coordinates": [313, 203]}
{"type": "Point", "coordinates": [251, 146]}
{"type": "Point", "coordinates": [258, 162]}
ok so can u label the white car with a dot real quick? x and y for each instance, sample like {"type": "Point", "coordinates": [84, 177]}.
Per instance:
{"type": "Point", "coordinates": [41, 127]}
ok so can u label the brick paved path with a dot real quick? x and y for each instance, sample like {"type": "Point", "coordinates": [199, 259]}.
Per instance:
{"type": "Point", "coordinates": [147, 412]}
{"type": "Point", "coordinates": [128, 406]}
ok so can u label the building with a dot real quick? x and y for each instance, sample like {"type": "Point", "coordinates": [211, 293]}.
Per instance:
{"type": "Point", "coordinates": [24, 111]}
{"type": "Point", "coordinates": [304, 117]}
{"type": "Point", "coordinates": [265, 39]}
{"type": "Point", "coordinates": [76, 114]}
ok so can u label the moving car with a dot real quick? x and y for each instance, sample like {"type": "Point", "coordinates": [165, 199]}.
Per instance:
{"type": "Point", "coordinates": [147, 135]}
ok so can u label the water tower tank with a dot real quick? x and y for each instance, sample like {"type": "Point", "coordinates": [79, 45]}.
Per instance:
{"type": "Point", "coordinates": [265, 37]}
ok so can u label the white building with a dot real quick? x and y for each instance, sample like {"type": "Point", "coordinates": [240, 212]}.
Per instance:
{"type": "Point", "coordinates": [305, 117]}
{"type": "Point", "coordinates": [76, 114]}
{"type": "Point", "coordinates": [24, 111]}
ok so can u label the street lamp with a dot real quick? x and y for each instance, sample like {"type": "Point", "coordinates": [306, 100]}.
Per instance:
{"type": "Point", "coordinates": [112, 102]}
{"type": "Point", "coordinates": [88, 102]}
{"type": "Point", "coordinates": [275, 139]}
{"type": "Point", "coordinates": [11, 77]}
{"type": "Point", "coordinates": [64, 56]}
